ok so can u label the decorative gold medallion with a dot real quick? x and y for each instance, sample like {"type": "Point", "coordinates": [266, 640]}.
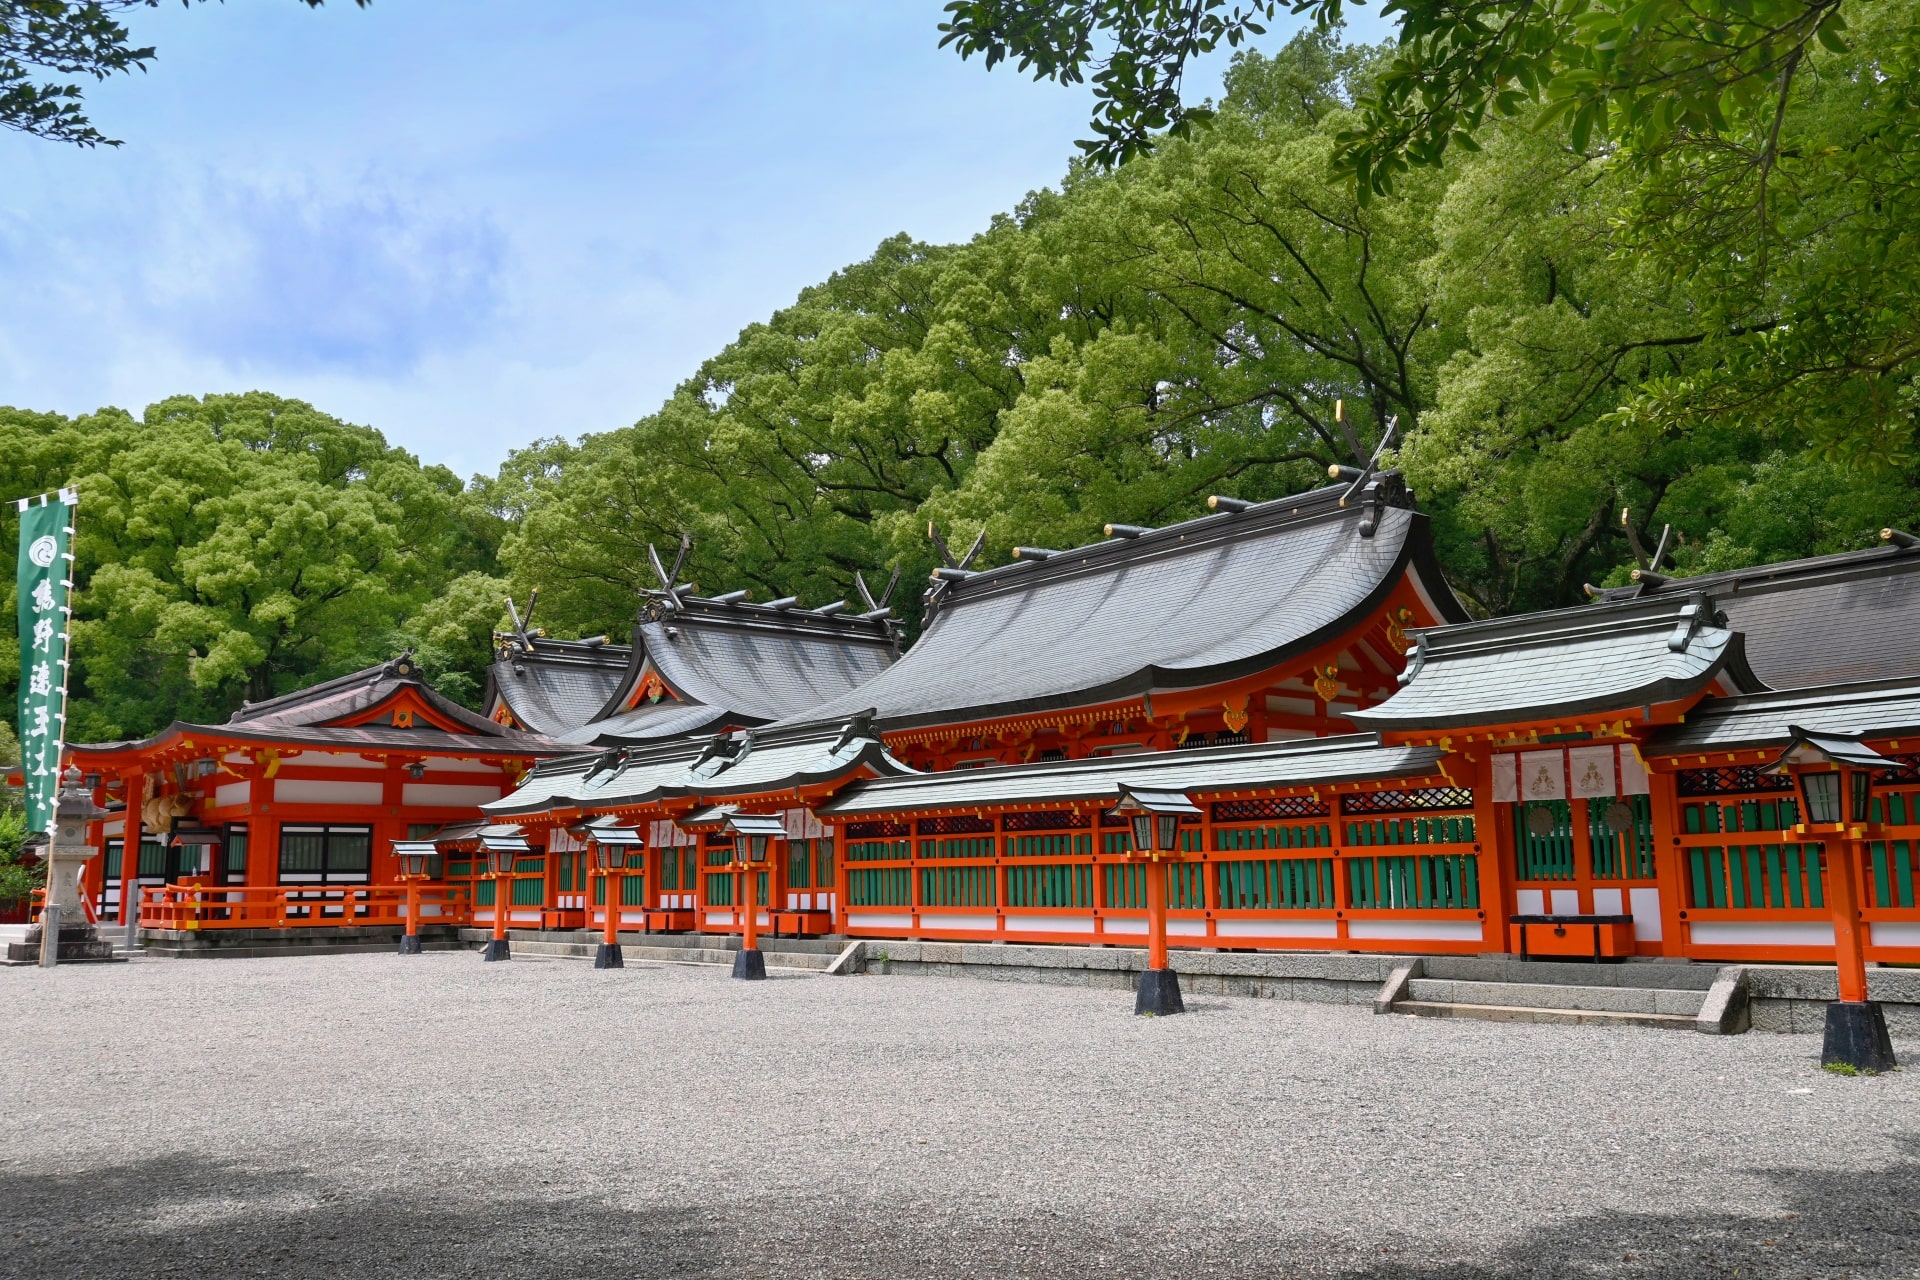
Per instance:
{"type": "Point", "coordinates": [1236, 713]}
{"type": "Point", "coordinates": [1397, 628]}
{"type": "Point", "coordinates": [1326, 681]}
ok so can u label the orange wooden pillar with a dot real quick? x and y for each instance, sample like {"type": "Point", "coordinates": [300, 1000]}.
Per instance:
{"type": "Point", "coordinates": [1493, 845]}
{"type": "Point", "coordinates": [1669, 870]}
{"type": "Point", "coordinates": [131, 835]}
{"type": "Point", "coordinates": [1842, 859]}
{"type": "Point", "coordinates": [1157, 914]}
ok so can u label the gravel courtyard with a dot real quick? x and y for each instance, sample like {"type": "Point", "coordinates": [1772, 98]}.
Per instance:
{"type": "Point", "coordinates": [375, 1116]}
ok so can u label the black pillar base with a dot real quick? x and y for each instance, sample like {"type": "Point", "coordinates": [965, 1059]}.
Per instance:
{"type": "Point", "coordinates": [1857, 1037]}
{"type": "Point", "coordinates": [409, 944]}
{"type": "Point", "coordinates": [609, 957]}
{"type": "Point", "coordinates": [497, 949]}
{"type": "Point", "coordinates": [1159, 994]}
{"type": "Point", "coordinates": [750, 965]}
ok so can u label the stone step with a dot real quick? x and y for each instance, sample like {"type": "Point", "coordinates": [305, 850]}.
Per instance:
{"type": "Point", "coordinates": [1666, 975]}
{"type": "Point", "coordinates": [1540, 995]}
{"type": "Point", "coordinates": [1563, 1017]}
{"type": "Point", "coordinates": [797, 961]}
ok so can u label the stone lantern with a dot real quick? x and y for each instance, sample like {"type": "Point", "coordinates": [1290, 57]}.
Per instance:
{"type": "Point", "coordinates": [63, 931]}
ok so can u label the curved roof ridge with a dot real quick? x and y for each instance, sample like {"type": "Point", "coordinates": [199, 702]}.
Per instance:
{"type": "Point", "coordinates": [1193, 604]}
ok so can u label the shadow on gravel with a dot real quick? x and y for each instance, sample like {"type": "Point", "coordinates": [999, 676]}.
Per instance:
{"type": "Point", "coordinates": [188, 1217]}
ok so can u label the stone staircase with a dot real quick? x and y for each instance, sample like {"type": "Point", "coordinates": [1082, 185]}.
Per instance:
{"type": "Point", "coordinates": [1670, 996]}
{"type": "Point", "coordinates": [114, 933]}
{"type": "Point", "coordinates": [797, 955]}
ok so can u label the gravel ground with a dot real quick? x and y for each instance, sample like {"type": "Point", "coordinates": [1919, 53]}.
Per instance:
{"type": "Point", "coordinates": [374, 1116]}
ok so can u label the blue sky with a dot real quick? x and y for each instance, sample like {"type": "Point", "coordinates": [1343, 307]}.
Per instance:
{"type": "Point", "coordinates": [472, 223]}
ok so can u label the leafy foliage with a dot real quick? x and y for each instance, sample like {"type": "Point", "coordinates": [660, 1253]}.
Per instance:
{"type": "Point", "coordinates": [1137, 84]}
{"type": "Point", "coordinates": [1187, 323]}
{"type": "Point", "coordinates": [236, 547]}
{"type": "Point", "coordinates": [41, 38]}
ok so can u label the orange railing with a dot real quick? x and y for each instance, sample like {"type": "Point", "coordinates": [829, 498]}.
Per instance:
{"type": "Point", "coordinates": [184, 906]}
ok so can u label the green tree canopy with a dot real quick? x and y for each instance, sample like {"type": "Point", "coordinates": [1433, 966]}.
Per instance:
{"type": "Point", "coordinates": [237, 547]}
{"type": "Point", "coordinates": [1187, 323]}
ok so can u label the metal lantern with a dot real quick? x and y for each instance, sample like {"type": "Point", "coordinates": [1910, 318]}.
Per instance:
{"type": "Point", "coordinates": [503, 845]}
{"type": "Point", "coordinates": [754, 833]}
{"type": "Point", "coordinates": [1155, 818]}
{"type": "Point", "coordinates": [610, 840]}
{"type": "Point", "coordinates": [415, 857]}
{"type": "Point", "coordinates": [1834, 774]}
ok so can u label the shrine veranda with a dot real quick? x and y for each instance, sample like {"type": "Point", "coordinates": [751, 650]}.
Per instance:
{"type": "Point", "coordinates": [1371, 772]}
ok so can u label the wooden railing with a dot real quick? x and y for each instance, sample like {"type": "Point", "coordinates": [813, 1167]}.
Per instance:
{"type": "Point", "coordinates": [187, 907]}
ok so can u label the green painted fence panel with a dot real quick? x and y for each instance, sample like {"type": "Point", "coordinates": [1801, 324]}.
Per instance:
{"type": "Point", "coordinates": [879, 886]}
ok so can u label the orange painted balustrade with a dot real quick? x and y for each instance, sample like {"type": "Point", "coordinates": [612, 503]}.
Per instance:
{"type": "Point", "coordinates": [187, 907]}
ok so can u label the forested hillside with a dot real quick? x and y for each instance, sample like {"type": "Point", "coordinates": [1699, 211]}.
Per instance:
{"type": "Point", "coordinates": [1721, 337]}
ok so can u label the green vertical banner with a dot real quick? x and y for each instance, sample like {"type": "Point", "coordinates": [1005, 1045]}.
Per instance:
{"type": "Point", "coordinates": [45, 606]}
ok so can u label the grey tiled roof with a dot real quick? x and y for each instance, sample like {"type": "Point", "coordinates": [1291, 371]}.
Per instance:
{"type": "Point", "coordinates": [1879, 708]}
{"type": "Point", "coordinates": [556, 685]}
{"type": "Point", "coordinates": [305, 718]}
{"type": "Point", "coordinates": [1180, 607]}
{"type": "Point", "coordinates": [740, 764]}
{"type": "Point", "coordinates": [1566, 663]}
{"type": "Point", "coordinates": [1353, 758]}
{"type": "Point", "coordinates": [760, 664]}
{"type": "Point", "coordinates": [1824, 620]}
{"type": "Point", "coordinates": [347, 695]}
{"type": "Point", "coordinates": [647, 722]}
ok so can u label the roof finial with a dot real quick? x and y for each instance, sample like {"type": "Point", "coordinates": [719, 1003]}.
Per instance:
{"type": "Point", "coordinates": [940, 545]}
{"type": "Point", "coordinates": [670, 578]}
{"type": "Point", "coordinates": [1648, 563]}
{"type": "Point", "coordinates": [1366, 472]}
{"type": "Point", "coordinates": [523, 626]}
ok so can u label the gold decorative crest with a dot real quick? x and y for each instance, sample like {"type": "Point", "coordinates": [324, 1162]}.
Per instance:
{"type": "Point", "coordinates": [1236, 713]}
{"type": "Point", "coordinates": [1397, 628]}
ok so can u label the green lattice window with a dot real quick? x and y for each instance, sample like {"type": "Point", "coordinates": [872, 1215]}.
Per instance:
{"type": "Point", "coordinates": [1049, 846]}
{"type": "Point", "coordinates": [1294, 884]}
{"type": "Point", "coordinates": [1891, 872]}
{"type": "Point", "coordinates": [1064, 884]}
{"type": "Point", "coordinates": [1454, 829]}
{"type": "Point", "coordinates": [1547, 856]}
{"type": "Point", "coordinates": [322, 855]}
{"type": "Point", "coordinates": [1423, 881]}
{"type": "Point", "coordinates": [957, 886]}
{"type": "Point", "coordinates": [879, 886]}
{"type": "Point", "coordinates": [877, 850]}
{"type": "Point", "coordinates": [1746, 877]}
{"type": "Point", "coordinates": [1125, 884]}
{"type": "Point", "coordinates": [959, 847]}
{"type": "Point", "coordinates": [1312, 835]}
{"type": "Point", "coordinates": [1622, 855]}
{"type": "Point", "coordinates": [1777, 814]}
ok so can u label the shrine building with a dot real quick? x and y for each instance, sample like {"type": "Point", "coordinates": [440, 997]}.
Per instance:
{"type": "Point", "coordinates": [1365, 769]}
